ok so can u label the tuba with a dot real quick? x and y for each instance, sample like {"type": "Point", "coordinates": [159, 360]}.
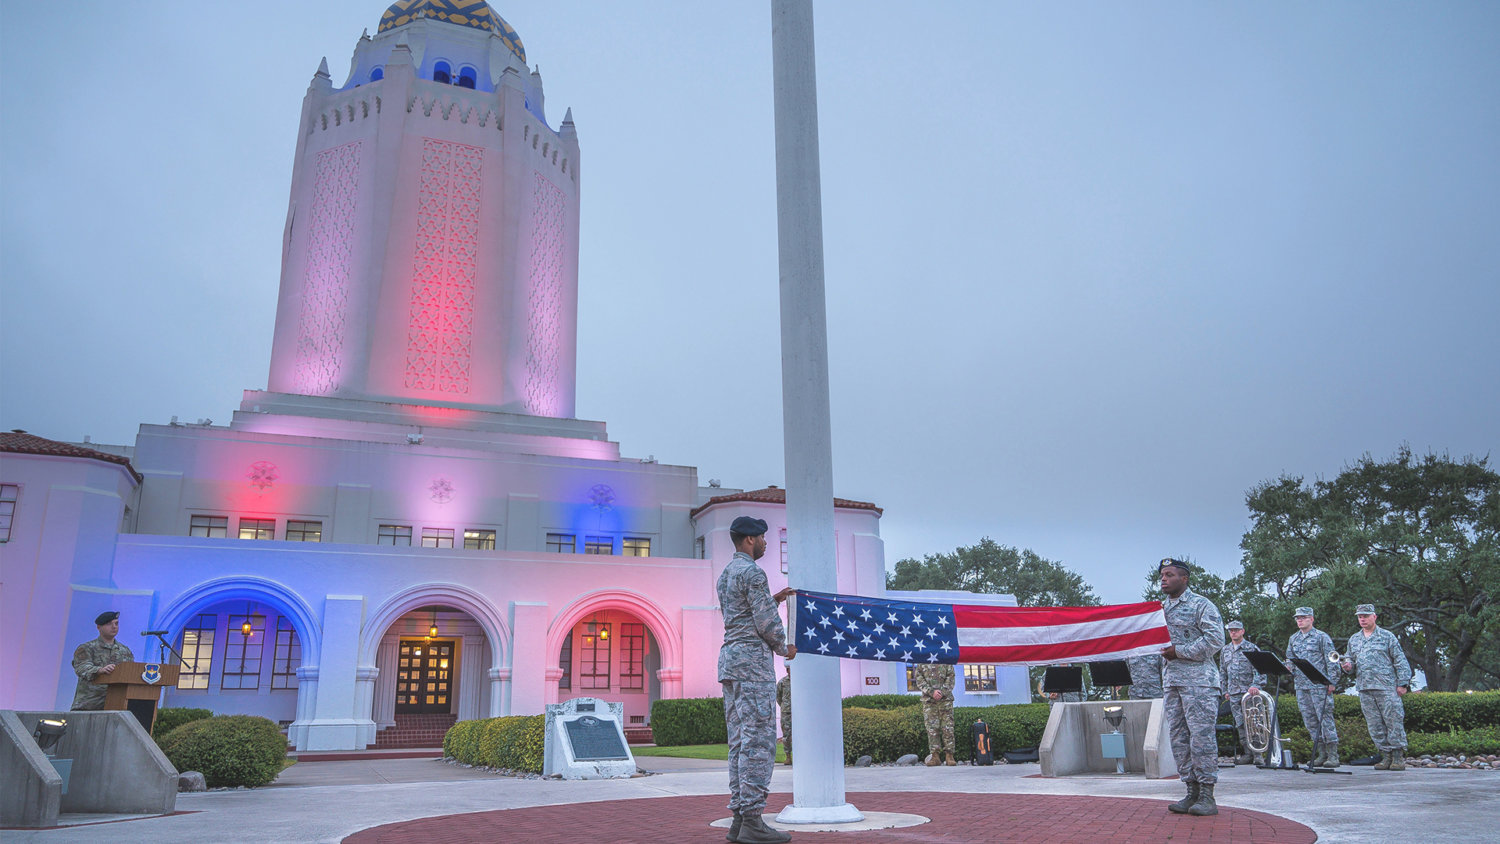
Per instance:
{"type": "Point", "coordinates": [1260, 720]}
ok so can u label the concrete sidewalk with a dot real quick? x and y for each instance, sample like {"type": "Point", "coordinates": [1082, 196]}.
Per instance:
{"type": "Point", "coordinates": [327, 801]}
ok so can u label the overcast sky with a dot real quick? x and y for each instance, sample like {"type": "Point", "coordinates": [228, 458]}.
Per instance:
{"type": "Point", "coordinates": [1094, 269]}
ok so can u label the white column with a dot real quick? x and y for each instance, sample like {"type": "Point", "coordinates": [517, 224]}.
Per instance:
{"type": "Point", "coordinates": [385, 684]}
{"type": "Point", "coordinates": [307, 696]}
{"type": "Point", "coordinates": [470, 666]}
{"type": "Point", "coordinates": [364, 697]}
{"type": "Point", "coordinates": [818, 776]}
{"type": "Point", "coordinates": [336, 722]}
{"type": "Point", "coordinates": [499, 692]}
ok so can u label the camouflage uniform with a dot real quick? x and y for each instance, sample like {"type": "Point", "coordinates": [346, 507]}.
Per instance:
{"type": "Point", "coordinates": [1192, 684]}
{"type": "Point", "coordinates": [784, 703]}
{"type": "Point", "coordinates": [1145, 676]}
{"type": "Point", "coordinates": [752, 632]}
{"type": "Point", "coordinates": [937, 715]}
{"type": "Point", "coordinates": [1239, 676]}
{"type": "Point", "coordinates": [1314, 700]}
{"type": "Point", "coordinates": [1379, 667]}
{"type": "Point", "coordinates": [88, 658]}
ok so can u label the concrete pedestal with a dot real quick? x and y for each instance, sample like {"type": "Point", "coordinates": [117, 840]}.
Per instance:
{"type": "Point", "coordinates": [1071, 745]}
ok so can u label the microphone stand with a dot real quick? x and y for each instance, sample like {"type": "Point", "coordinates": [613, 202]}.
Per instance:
{"type": "Point", "coordinates": [191, 666]}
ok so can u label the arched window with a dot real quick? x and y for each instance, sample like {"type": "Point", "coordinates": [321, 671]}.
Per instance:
{"type": "Point", "coordinates": [466, 77]}
{"type": "Point", "coordinates": [377, 74]}
{"type": "Point", "coordinates": [442, 72]}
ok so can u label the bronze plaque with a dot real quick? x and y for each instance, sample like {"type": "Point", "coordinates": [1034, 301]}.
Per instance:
{"type": "Point", "coordinates": [594, 740]}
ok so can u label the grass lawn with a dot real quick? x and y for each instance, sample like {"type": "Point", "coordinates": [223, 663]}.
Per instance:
{"type": "Point", "coordinates": [696, 751]}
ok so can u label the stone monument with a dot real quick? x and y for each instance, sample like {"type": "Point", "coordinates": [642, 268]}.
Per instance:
{"type": "Point", "coordinates": [585, 740]}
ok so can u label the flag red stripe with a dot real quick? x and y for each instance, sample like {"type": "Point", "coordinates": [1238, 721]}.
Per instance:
{"type": "Point", "coordinates": [1065, 651]}
{"type": "Point", "coordinates": [977, 616]}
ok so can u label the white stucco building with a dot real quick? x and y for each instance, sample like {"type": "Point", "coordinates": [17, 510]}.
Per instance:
{"type": "Point", "coordinates": [409, 522]}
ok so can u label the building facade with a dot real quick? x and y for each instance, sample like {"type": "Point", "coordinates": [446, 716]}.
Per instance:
{"type": "Point", "coordinates": [409, 522]}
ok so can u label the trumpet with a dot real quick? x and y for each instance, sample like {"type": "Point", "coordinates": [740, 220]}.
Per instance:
{"type": "Point", "coordinates": [1336, 658]}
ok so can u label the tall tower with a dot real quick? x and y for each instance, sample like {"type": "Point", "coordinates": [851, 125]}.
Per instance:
{"type": "Point", "coordinates": [430, 255]}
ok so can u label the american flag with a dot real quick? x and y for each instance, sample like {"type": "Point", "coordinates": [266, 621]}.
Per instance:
{"type": "Point", "coordinates": [854, 627]}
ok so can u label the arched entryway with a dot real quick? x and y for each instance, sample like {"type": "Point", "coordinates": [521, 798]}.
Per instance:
{"type": "Point", "coordinates": [617, 646]}
{"type": "Point", "coordinates": [249, 646]}
{"type": "Point", "coordinates": [430, 657]}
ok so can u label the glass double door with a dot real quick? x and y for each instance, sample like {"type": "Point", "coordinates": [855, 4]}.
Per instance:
{"type": "Point", "coordinates": [424, 676]}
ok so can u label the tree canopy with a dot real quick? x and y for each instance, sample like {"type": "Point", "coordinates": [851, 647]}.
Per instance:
{"type": "Point", "coordinates": [992, 568]}
{"type": "Point", "coordinates": [1418, 537]}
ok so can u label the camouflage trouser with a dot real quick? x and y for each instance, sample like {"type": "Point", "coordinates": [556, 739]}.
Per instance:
{"type": "Point", "coordinates": [1317, 714]}
{"type": "Point", "coordinates": [749, 713]}
{"type": "Point", "coordinates": [1190, 714]}
{"type": "Point", "coordinates": [1385, 715]}
{"type": "Point", "coordinates": [786, 729]}
{"type": "Point", "coordinates": [937, 716]}
{"type": "Point", "coordinates": [1237, 709]}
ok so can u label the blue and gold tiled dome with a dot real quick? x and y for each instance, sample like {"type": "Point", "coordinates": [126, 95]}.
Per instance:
{"type": "Point", "coordinates": [475, 14]}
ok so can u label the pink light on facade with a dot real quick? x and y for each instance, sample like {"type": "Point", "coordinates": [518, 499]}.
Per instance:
{"type": "Point", "coordinates": [544, 328]}
{"type": "Point", "coordinates": [325, 285]}
{"type": "Point", "coordinates": [440, 328]}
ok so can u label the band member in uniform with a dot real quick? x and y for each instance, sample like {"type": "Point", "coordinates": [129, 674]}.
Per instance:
{"type": "Point", "coordinates": [1382, 676]}
{"type": "Point", "coordinates": [1315, 701]}
{"type": "Point", "coordinates": [1240, 677]}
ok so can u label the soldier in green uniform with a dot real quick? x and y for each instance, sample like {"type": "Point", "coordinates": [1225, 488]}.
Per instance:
{"type": "Point", "coordinates": [1313, 700]}
{"type": "Point", "coordinates": [1382, 676]}
{"type": "Point", "coordinates": [1192, 687]}
{"type": "Point", "coordinates": [1240, 677]}
{"type": "Point", "coordinates": [752, 632]}
{"type": "Point", "coordinates": [98, 657]}
{"type": "Point", "coordinates": [784, 703]}
{"type": "Point", "coordinates": [935, 682]}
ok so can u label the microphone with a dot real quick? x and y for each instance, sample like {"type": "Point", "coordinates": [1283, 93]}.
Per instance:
{"type": "Point", "coordinates": [155, 632]}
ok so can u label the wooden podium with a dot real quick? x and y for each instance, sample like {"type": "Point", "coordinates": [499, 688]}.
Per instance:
{"type": "Point", "coordinates": [130, 689]}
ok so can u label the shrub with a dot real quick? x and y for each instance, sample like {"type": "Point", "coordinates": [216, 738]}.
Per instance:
{"type": "Point", "coordinates": [698, 720]}
{"type": "Point", "coordinates": [228, 750]}
{"type": "Point", "coordinates": [888, 734]}
{"type": "Point", "coordinates": [172, 717]}
{"type": "Point", "coordinates": [1441, 712]}
{"type": "Point", "coordinates": [888, 701]}
{"type": "Point", "coordinates": [514, 742]}
{"type": "Point", "coordinates": [1478, 740]}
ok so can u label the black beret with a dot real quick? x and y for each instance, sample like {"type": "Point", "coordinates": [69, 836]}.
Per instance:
{"type": "Point", "coordinates": [105, 618]}
{"type": "Point", "coordinates": [1171, 563]}
{"type": "Point", "coordinates": [747, 526]}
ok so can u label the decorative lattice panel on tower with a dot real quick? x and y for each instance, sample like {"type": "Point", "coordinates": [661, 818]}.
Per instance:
{"type": "Point", "coordinates": [325, 282]}
{"type": "Point", "coordinates": [543, 396]}
{"type": "Point", "coordinates": [440, 331]}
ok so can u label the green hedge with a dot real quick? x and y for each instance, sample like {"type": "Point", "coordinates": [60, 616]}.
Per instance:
{"type": "Point", "coordinates": [515, 742]}
{"type": "Point", "coordinates": [881, 701]}
{"type": "Point", "coordinates": [695, 720]}
{"type": "Point", "coordinates": [1479, 740]}
{"type": "Point", "coordinates": [1426, 712]}
{"type": "Point", "coordinates": [172, 717]}
{"type": "Point", "coordinates": [886, 735]}
{"type": "Point", "coordinates": [228, 750]}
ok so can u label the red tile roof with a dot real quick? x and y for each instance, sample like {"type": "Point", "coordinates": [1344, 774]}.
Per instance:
{"type": "Point", "coordinates": [777, 495]}
{"type": "Point", "coordinates": [16, 442]}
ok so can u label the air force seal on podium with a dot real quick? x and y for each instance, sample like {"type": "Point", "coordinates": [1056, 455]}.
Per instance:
{"type": "Point", "coordinates": [152, 674]}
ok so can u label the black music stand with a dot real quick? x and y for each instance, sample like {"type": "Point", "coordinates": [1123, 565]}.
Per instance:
{"type": "Point", "coordinates": [1315, 674]}
{"type": "Point", "coordinates": [1266, 663]}
{"type": "Point", "coordinates": [1061, 679]}
{"type": "Point", "coordinates": [1113, 673]}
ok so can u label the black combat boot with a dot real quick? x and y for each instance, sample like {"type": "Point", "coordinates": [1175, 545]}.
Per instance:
{"type": "Point", "coordinates": [1205, 804]}
{"type": "Point", "coordinates": [1398, 760]}
{"type": "Point", "coordinates": [753, 830]}
{"type": "Point", "coordinates": [1181, 806]}
{"type": "Point", "coordinates": [734, 828]}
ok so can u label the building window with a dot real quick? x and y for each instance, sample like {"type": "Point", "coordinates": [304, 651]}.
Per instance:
{"type": "Point", "coordinates": [481, 540]}
{"type": "Point", "coordinates": [785, 556]}
{"type": "Point", "coordinates": [394, 535]}
{"type": "Point", "coordinates": [635, 546]}
{"type": "Point", "coordinates": [197, 652]}
{"type": "Point", "coordinates": [632, 654]}
{"type": "Point", "coordinates": [287, 656]}
{"type": "Point", "coordinates": [911, 678]}
{"type": "Point", "coordinates": [242, 653]}
{"type": "Point", "coordinates": [562, 543]}
{"type": "Point", "coordinates": [565, 662]}
{"type": "Point", "coordinates": [593, 657]}
{"type": "Point", "coordinates": [377, 74]}
{"type": "Point", "coordinates": [304, 531]}
{"type": "Point", "coordinates": [598, 545]}
{"type": "Point", "coordinates": [466, 77]}
{"type": "Point", "coordinates": [699, 547]}
{"type": "Point", "coordinates": [437, 537]}
{"type": "Point", "coordinates": [8, 495]}
{"type": "Point", "coordinates": [257, 528]}
{"type": "Point", "coordinates": [442, 72]}
{"type": "Point", "coordinates": [210, 526]}
{"type": "Point", "coordinates": [979, 678]}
